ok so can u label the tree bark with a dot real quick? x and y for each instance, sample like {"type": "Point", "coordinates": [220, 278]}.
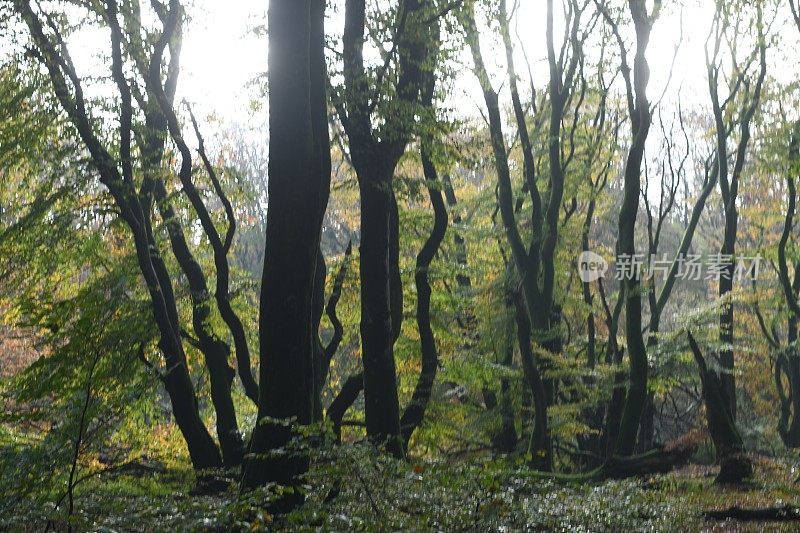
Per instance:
{"type": "Point", "coordinates": [298, 191]}
{"type": "Point", "coordinates": [415, 411]}
{"type": "Point", "coordinates": [640, 118]}
{"type": "Point", "coordinates": [789, 361]}
{"type": "Point", "coordinates": [541, 446]}
{"type": "Point", "coordinates": [374, 158]}
{"type": "Point", "coordinates": [735, 466]}
{"type": "Point", "coordinates": [214, 350]}
{"type": "Point", "coordinates": [729, 183]}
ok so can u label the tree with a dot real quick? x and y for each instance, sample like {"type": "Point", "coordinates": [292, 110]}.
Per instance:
{"type": "Point", "coordinates": [671, 172]}
{"type": "Point", "coordinates": [375, 153]}
{"type": "Point", "coordinates": [299, 182]}
{"type": "Point", "coordinates": [788, 361]}
{"type": "Point", "coordinates": [734, 465]}
{"type": "Point", "coordinates": [640, 116]}
{"type": "Point", "coordinates": [535, 264]}
{"type": "Point", "coordinates": [414, 412]}
{"type": "Point", "coordinates": [116, 173]}
{"type": "Point", "coordinates": [745, 94]}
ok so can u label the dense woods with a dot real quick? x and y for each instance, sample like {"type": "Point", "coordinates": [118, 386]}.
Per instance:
{"type": "Point", "coordinates": [453, 265]}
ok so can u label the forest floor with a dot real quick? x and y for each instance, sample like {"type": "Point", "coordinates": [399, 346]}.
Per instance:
{"type": "Point", "coordinates": [354, 490]}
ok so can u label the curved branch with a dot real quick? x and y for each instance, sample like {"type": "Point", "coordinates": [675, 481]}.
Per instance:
{"type": "Point", "coordinates": [221, 292]}
{"type": "Point", "coordinates": [415, 411]}
{"type": "Point", "coordinates": [330, 308]}
{"type": "Point", "coordinates": [343, 401]}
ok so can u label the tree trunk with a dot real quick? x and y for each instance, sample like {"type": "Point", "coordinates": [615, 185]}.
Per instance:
{"type": "Point", "coordinates": [640, 118]}
{"type": "Point", "coordinates": [789, 361]}
{"type": "Point", "coordinates": [415, 411]}
{"type": "Point", "coordinates": [726, 359]}
{"type": "Point", "coordinates": [374, 158]}
{"type": "Point", "coordinates": [341, 403]}
{"type": "Point", "coordinates": [541, 446]}
{"type": "Point", "coordinates": [735, 466]}
{"type": "Point", "coordinates": [317, 308]}
{"type": "Point", "coordinates": [298, 190]}
{"type": "Point", "coordinates": [381, 404]}
{"type": "Point", "coordinates": [729, 183]}
{"type": "Point", "coordinates": [214, 350]}
{"type": "Point", "coordinates": [134, 211]}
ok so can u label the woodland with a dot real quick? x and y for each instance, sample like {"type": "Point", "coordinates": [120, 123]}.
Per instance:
{"type": "Point", "coordinates": [470, 265]}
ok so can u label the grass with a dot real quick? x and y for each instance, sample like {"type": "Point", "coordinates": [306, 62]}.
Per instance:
{"type": "Point", "coordinates": [352, 489]}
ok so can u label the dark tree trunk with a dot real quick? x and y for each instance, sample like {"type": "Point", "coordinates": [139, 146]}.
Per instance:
{"type": "Point", "coordinates": [298, 191]}
{"type": "Point", "coordinates": [726, 359]}
{"type": "Point", "coordinates": [644, 441]}
{"type": "Point", "coordinates": [586, 289]}
{"type": "Point", "coordinates": [330, 310]}
{"type": "Point", "coordinates": [530, 298]}
{"type": "Point", "coordinates": [320, 364]}
{"type": "Point", "coordinates": [214, 350]}
{"type": "Point", "coordinates": [791, 433]}
{"type": "Point", "coordinates": [640, 119]}
{"type": "Point", "coordinates": [381, 404]}
{"type": "Point", "coordinates": [504, 438]}
{"type": "Point", "coordinates": [614, 356]}
{"type": "Point", "coordinates": [374, 158]}
{"type": "Point", "coordinates": [221, 249]}
{"type": "Point", "coordinates": [341, 403]}
{"type": "Point", "coordinates": [729, 185]}
{"type": "Point", "coordinates": [735, 466]}
{"type": "Point", "coordinates": [177, 381]}
{"type": "Point", "coordinates": [541, 446]}
{"type": "Point", "coordinates": [415, 411]}
{"type": "Point", "coordinates": [788, 362]}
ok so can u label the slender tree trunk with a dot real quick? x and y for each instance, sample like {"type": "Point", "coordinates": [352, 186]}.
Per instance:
{"type": "Point", "coordinates": [726, 358]}
{"type": "Point", "coordinates": [640, 118]}
{"type": "Point", "coordinates": [792, 436]}
{"type": "Point", "coordinates": [789, 361]}
{"type": "Point", "coordinates": [541, 446]}
{"type": "Point", "coordinates": [318, 306]}
{"type": "Point", "coordinates": [415, 411]}
{"type": "Point", "coordinates": [374, 159]}
{"type": "Point", "coordinates": [347, 397]}
{"type": "Point", "coordinates": [330, 310]}
{"type": "Point", "coordinates": [202, 449]}
{"type": "Point", "coordinates": [221, 249]}
{"type": "Point", "coordinates": [729, 183]}
{"type": "Point", "coordinates": [214, 350]}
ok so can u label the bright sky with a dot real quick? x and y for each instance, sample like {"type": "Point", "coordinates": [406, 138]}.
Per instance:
{"type": "Point", "coordinates": [222, 55]}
